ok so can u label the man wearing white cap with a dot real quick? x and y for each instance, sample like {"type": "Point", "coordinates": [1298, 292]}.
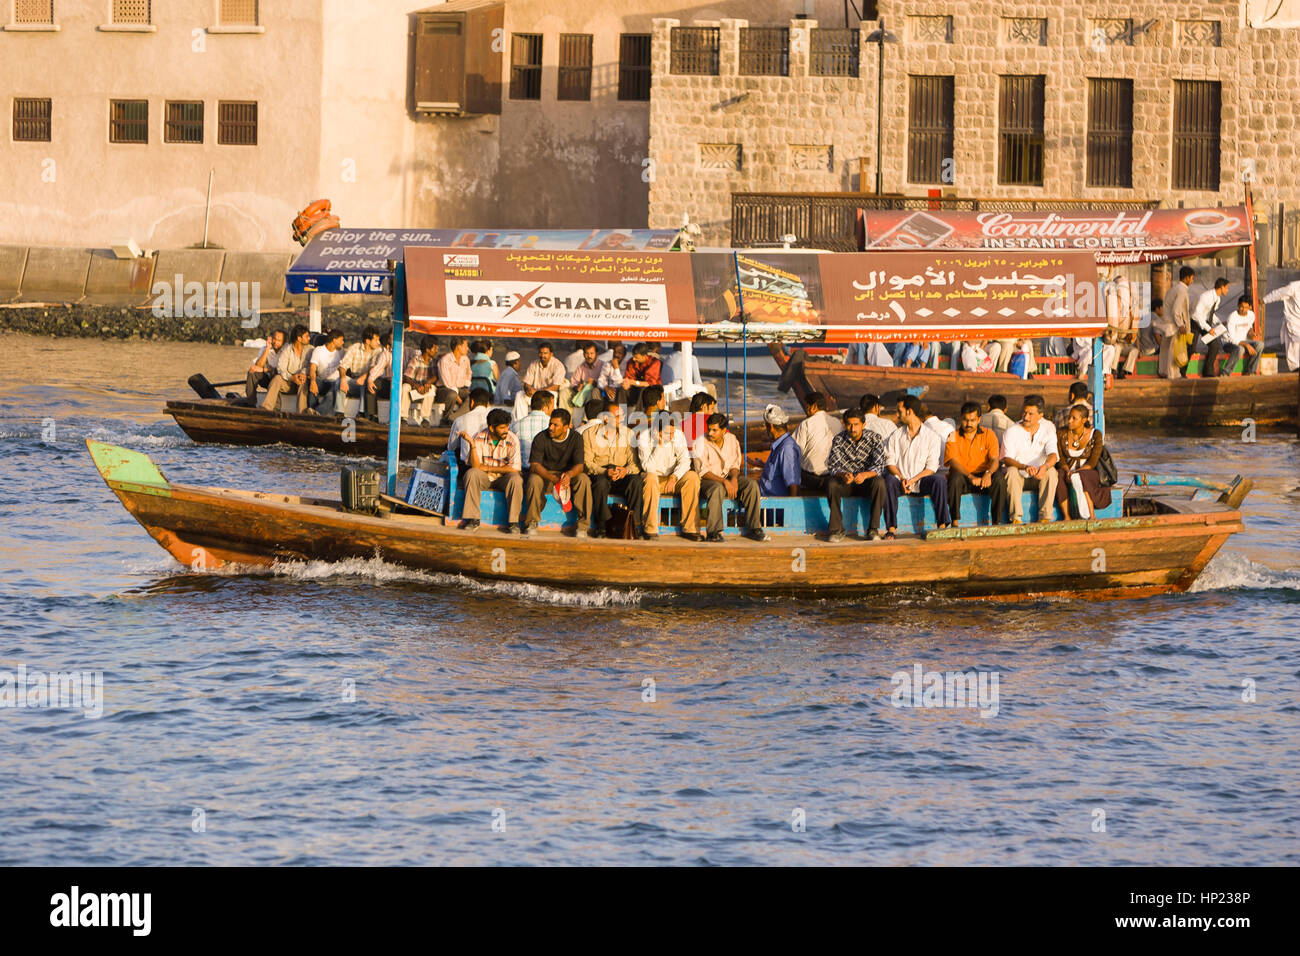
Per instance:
{"type": "Point", "coordinates": [780, 477]}
{"type": "Point", "coordinates": [508, 385]}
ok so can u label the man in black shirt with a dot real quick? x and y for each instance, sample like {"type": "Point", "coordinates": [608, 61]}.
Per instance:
{"type": "Point", "coordinates": [556, 465]}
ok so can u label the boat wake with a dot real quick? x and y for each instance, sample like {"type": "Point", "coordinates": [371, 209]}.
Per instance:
{"type": "Point", "coordinates": [1236, 571]}
{"type": "Point", "coordinates": [380, 571]}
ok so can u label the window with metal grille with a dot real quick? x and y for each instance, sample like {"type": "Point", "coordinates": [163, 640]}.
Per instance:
{"type": "Point", "coordinates": [131, 11]}
{"type": "Point", "coordinates": [237, 13]}
{"type": "Point", "coordinates": [526, 67]}
{"type": "Point", "coordinates": [1196, 135]}
{"type": "Point", "coordinates": [765, 51]}
{"type": "Point", "coordinates": [128, 121]}
{"type": "Point", "coordinates": [1020, 131]}
{"type": "Point", "coordinates": [31, 120]}
{"type": "Point", "coordinates": [237, 124]}
{"type": "Point", "coordinates": [834, 52]}
{"type": "Point", "coordinates": [1110, 133]}
{"type": "Point", "coordinates": [184, 122]}
{"type": "Point", "coordinates": [34, 11]}
{"type": "Point", "coordinates": [574, 75]}
{"type": "Point", "coordinates": [694, 50]}
{"type": "Point", "coordinates": [930, 129]}
{"type": "Point", "coordinates": [634, 66]}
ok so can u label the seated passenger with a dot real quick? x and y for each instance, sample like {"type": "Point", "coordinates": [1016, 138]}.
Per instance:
{"type": "Point", "coordinates": [813, 436]}
{"type": "Point", "coordinates": [483, 371]}
{"type": "Point", "coordinates": [642, 372]}
{"type": "Point", "coordinates": [494, 463]}
{"type": "Point", "coordinates": [871, 407]}
{"type": "Point", "coordinates": [1078, 450]}
{"type": "Point", "coordinates": [547, 374]}
{"type": "Point", "coordinates": [290, 371]}
{"type": "Point", "coordinates": [780, 477]}
{"type": "Point", "coordinates": [653, 401]}
{"type": "Point", "coordinates": [354, 367]}
{"type": "Point", "coordinates": [262, 371]}
{"type": "Point", "coordinates": [610, 381]}
{"type": "Point", "coordinates": [508, 385]}
{"type": "Point", "coordinates": [971, 455]}
{"type": "Point", "coordinates": [996, 418]}
{"type": "Point", "coordinates": [666, 469]}
{"type": "Point", "coordinates": [591, 413]}
{"type": "Point", "coordinates": [468, 425]}
{"type": "Point", "coordinates": [584, 376]}
{"type": "Point", "coordinates": [379, 378]}
{"type": "Point", "coordinates": [1028, 464]}
{"type": "Point", "coordinates": [856, 465]}
{"type": "Point", "coordinates": [695, 425]}
{"type": "Point", "coordinates": [534, 423]}
{"type": "Point", "coordinates": [323, 374]}
{"type": "Point", "coordinates": [719, 463]}
{"type": "Point", "coordinates": [1078, 396]}
{"type": "Point", "coordinates": [913, 457]}
{"type": "Point", "coordinates": [611, 464]}
{"type": "Point", "coordinates": [419, 384]}
{"type": "Point", "coordinates": [555, 464]}
{"type": "Point", "coordinates": [455, 373]}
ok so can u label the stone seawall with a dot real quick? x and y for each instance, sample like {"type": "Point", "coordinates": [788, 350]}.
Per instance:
{"type": "Point", "coordinates": [116, 322]}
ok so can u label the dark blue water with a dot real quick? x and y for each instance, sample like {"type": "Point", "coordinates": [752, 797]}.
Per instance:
{"type": "Point", "coordinates": [481, 703]}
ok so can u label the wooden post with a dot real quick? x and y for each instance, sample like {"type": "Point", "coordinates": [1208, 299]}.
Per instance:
{"type": "Point", "coordinates": [313, 312]}
{"type": "Point", "coordinates": [395, 386]}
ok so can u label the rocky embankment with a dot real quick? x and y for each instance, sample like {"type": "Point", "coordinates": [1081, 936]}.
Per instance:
{"type": "Point", "coordinates": [116, 322]}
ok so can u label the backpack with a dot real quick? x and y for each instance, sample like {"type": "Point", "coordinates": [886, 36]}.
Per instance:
{"type": "Point", "coordinates": [1018, 366]}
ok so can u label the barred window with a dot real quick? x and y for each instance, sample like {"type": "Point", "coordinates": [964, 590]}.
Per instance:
{"type": "Point", "coordinates": [237, 13]}
{"type": "Point", "coordinates": [1020, 131]}
{"type": "Point", "coordinates": [184, 122]}
{"type": "Point", "coordinates": [634, 66]}
{"type": "Point", "coordinates": [694, 50]}
{"type": "Point", "coordinates": [575, 67]}
{"type": "Point", "coordinates": [237, 124]}
{"type": "Point", "coordinates": [834, 52]}
{"type": "Point", "coordinates": [526, 66]}
{"type": "Point", "coordinates": [128, 121]}
{"type": "Point", "coordinates": [1110, 133]}
{"type": "Point", "coordinates": [930, 129]}
{"type": "Point", "coordinates": [34, 11]}
{"type": "Point", "coordinates": [1196, 135]}
{"type": "Point", "coordinates": [31, 120]}
{"type": "Point", "coordinates": [765, 51]}
{"type": "Point", "coordinates": [132, 11]}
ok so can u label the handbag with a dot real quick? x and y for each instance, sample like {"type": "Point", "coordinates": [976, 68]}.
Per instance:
{"type": "Point", "coordinates": [1178, 353]}
{"type": "Point", "coordinates": [620, 524]}
{"type": "Point", "coordinates": [1107, 474]}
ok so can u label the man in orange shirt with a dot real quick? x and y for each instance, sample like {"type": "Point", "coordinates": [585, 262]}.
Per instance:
{"type": "Point", "coordinates": [972, 459]}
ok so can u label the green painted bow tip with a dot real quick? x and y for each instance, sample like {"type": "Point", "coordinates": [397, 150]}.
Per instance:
{"type": "Point", "coordinates": [117, 464]}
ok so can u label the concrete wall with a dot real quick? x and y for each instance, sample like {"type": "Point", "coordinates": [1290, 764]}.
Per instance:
{"type": "Point", "coordinates": [80, 188]}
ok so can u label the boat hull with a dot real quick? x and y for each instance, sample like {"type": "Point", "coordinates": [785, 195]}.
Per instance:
{"type": "Point", "coordinates": [1146, 402]}
{"type": "Point", "coordinates": [206, 528]}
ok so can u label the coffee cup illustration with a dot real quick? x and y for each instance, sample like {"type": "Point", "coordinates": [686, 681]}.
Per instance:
{"type": "Point", "coordinates": [1209, 222]}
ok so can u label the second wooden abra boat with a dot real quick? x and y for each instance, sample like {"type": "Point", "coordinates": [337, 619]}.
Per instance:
{"type": "Point", "coordinates": [1145, 401]}
{"type": "Point", "coordinates": [1160, 545]}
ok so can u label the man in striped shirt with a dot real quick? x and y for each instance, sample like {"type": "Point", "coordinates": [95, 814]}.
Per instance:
{"type": "Point", "coordinates": [494, 465]}
{"type": "Point", "coordinates": [534, 423]}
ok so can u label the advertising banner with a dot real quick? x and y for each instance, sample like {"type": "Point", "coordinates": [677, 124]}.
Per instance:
{"type": "Point", "coordinates": [1114, 237]}
{"type": "Point", "coordinates": [355, 261]}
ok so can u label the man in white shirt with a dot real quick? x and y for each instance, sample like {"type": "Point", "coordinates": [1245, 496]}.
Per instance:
{"type": "Point", "coordinates": [673, 370]}
{"type": "Point", "coordinates": [943, 427]}
{"type": "Point", "coordinates": [996, 418]}
{"type": "Point", "coordinates": [1289, 296]}
{"type": "Point", "coordinates": [323, 373]}
{"type": "Point", "coordinates": [291, 371]}
{"type": "Point", "coordinates": [1239, 326]}
{"type": "Point", "coordinates": [547, 374]}
{"type": "Point", "coordinates": [813, 436]}
{"type": "Point", "coordinates": [1204, 321]}
{"type": "Point", "coordinates": [666, 469]}
{"type": "Point", "coordinates": [378, 383]}
{"type": "Point", "coordinates": [464, 428]}
{"type": "Point", "coordinates": [1028, 463]}
{"type": "Point", "coordinates": [720, 465]}
{"type": "Point", "coordinates": [871, 407]}
{"type": "Point", "coordinates": [576, 358]}
{"type": "Point", "coordinates": [913, 455]}
{"type": "Point", "coordinates": [262, 371]}
{"type": "Point", "coordinates": [455, 374]}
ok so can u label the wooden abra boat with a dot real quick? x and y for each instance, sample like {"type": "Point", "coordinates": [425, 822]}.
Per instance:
{"type": "Point", "coordinates": [215, 421]}
{"type": "Point", "coordinates": [1145, 401]}
{"type": "Point", "coordinates": [1160, 545]}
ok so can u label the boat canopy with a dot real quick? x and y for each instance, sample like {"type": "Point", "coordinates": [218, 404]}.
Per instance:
{"type": "Point", "coordinates": [356, 261]}
{"type": "Point", "coordinates": [1114, 237]}
{"type": "Point", "coordinates": [752, 296]}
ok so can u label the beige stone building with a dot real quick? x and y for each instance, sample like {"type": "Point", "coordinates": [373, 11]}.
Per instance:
{"type": "Point", "coordinates": [1089, 99]}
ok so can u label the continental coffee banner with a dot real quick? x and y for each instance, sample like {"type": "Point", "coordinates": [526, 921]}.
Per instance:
{"type": "Point", "coordinates": [777, 296]}
{"type": "Point", "coordinates": [1114, 237]}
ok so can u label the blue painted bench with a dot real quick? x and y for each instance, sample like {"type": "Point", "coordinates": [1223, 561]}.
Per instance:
{"type": "Point", "coordinates": [784, 515]}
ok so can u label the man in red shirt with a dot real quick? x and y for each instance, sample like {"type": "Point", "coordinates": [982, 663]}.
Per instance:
{"type": "Point", "coordinates": [642, 372]}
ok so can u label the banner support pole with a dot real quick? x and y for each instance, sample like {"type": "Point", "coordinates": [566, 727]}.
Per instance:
{"type": "Point", "coordinates": [395, 384]}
